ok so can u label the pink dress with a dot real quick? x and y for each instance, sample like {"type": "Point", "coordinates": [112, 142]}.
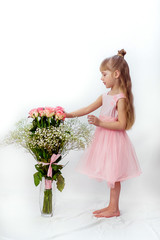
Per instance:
{"type": "Point", "coordinates": [111, 155]}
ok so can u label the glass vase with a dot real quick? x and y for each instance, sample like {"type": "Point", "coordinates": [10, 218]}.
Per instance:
{"type": "Point", "coordinates": [47, 197]}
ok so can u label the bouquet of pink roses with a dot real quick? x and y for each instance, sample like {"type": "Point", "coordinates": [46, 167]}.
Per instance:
{"type": "Point", "coordinates": [48, 138]}
{"type": "Point", "coordinates": [44, 117]}
{"type": "Point", "coordinates": [43, 120]}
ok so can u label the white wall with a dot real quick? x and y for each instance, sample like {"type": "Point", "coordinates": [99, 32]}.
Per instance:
{"type": "Point", "coordinates": [50, 52]}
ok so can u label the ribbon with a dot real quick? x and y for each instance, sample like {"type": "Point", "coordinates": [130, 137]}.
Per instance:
{"type": "Point", "coordinates": [48, 183]}
{"type": "Point", "coordinates": [53, 159]}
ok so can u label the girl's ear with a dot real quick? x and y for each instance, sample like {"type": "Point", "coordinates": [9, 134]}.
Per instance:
{"type": "Point", "coordinates": [117, 73]}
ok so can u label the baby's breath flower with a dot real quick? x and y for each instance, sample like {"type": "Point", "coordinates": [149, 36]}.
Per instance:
{"type": "Point", "coordinates": [71, 135]}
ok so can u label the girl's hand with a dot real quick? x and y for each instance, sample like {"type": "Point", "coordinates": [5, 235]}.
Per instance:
{"type": "Point", "coordinates": [93, 120]}
{"type": "Point", "coordinates": [70, 115]}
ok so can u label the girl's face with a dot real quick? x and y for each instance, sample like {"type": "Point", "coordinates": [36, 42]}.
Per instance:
{"type": "Point", "coordinates": [108, 79]}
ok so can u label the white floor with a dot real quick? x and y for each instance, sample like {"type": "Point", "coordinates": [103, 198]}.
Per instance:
{"type": "Point", "coordinates": [73, 219]}
{"type": "Point", "coordinates": [20, 217]}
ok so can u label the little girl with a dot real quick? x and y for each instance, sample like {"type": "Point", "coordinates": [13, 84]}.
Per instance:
{"type": "Point", "coordinates": [111, 156]}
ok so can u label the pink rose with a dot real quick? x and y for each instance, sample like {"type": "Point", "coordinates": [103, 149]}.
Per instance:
{"type": "Point", "coordinates": [59, 108]}
{"type": "Point", "coordinates": [33, 113]}
{"type": "Point", "coordinates": [49, 111]}
{"type": "Point", "coordinates": [40, 111]}
{"type": "Point", "coordinates": [60, 115]}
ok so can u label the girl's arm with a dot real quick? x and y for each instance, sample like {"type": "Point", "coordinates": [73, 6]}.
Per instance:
{"type": "Point", "coordinates": [120, 124]}
{"type": "Point", "coordinates": [83, 111]}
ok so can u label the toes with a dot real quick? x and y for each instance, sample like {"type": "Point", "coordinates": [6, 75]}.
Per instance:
{"type": "Point", "coordinates": [100, 211]}
{"type": "Point", "coordinates": [107, 215]}
{"type": "Point", "coordinates": [98, 215]}
{"type": "Point", "coordinates": [95, 212]}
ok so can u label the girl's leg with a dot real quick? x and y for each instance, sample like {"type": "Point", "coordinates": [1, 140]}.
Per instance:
{"type": "Point", "coordinates": [114, 196]}
{"type": "Point", "coordinates": [113, 207]}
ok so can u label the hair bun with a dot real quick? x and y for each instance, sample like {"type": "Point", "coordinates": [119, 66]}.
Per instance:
{"type": "Point", "coordinates": [121, 53]}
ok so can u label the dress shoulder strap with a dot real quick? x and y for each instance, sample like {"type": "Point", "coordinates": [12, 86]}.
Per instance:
{"type": "Point", "coordinates": [119, 96]}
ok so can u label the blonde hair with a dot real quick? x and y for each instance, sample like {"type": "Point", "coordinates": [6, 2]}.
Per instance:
{"type": "Point", "coordinates": [118, 62]}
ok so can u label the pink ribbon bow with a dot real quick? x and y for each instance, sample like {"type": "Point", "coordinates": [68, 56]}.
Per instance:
{"type": "Point", "coordinates": [48, 183]}
{"type": "Point", "coordinates": [53, 159]}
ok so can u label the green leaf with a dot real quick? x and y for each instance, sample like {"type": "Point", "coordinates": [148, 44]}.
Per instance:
{"type": "Point", "coordinates": [58, 172]}
{"type": "Point", "coordinates": [40, 176]}
{"type": "Point", "coordinates": [60, 183]}
{"type": "Point", "coordinates": [56, 167]}
{"type": "Point", "coordinates": [37, 178]}
{"type": "Point", "coordinates": [55, 176]}
{"type": "Point", "coordinates": [40, 168]}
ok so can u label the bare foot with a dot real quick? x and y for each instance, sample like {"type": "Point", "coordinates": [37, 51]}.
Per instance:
{"type": "Point", "coordinates": [108, 213]}
{"type": "Point", "coordinates": [100, 211]}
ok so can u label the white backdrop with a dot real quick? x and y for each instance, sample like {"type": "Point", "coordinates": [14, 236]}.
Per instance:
{"type": "Point", "coordinates": [50, 52]}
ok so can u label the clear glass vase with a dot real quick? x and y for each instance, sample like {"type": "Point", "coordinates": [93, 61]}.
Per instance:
{"type": "Point", "coordinates": [47, 197]}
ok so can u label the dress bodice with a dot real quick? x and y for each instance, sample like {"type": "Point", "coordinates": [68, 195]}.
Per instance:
{"type": "Point", "coordinates": [109, 105]}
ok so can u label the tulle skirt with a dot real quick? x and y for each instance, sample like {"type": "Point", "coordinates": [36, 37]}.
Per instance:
{"type": "Point", "coordinates": [110, 157]}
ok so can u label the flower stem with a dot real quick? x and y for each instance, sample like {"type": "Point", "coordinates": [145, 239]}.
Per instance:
{"type": "Point", "coordinates": [37, 122]}
{"type": "Point", "coordinates": [47, 202]}
{"type": "Point", "coordinates": [49, 122]}
{"type": "Point", "coordinates": [42, 122]}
